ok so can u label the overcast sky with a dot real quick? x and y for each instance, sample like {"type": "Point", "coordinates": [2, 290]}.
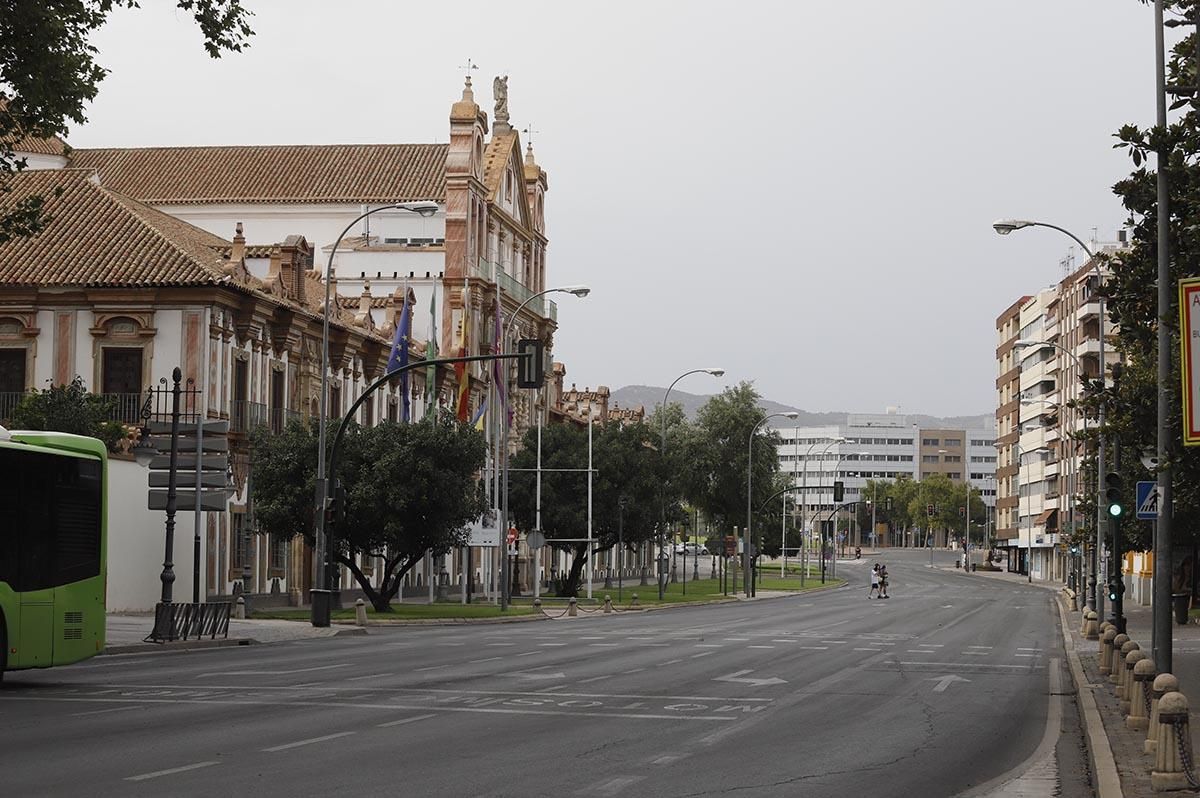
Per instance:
{"type": "Point", "coordinates": [800, 192]}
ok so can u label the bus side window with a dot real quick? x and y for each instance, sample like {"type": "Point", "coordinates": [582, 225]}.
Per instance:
{"type": "Point", "coordinates": [13, 511]}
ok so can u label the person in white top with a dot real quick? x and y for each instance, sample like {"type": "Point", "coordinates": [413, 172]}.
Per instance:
{"type": "Point", "coordinates": [874, 580]}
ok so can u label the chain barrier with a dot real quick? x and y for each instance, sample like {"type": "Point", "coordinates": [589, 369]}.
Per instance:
{"type": "Point", "coordinates": [548, 615]}
{"type": "Point", "coordinates": [1185, 755]}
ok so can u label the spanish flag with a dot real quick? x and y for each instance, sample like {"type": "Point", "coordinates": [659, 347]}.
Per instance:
{"type": "Point", "coordinates": [462, 402]}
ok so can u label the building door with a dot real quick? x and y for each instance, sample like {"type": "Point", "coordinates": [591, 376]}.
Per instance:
{"type": "Point", "coordinates": [239, 415]}
{"type": "Point", "coordinates": [278, 413]}
{"type": "Point", "coordinates": [12, 380]}
{"type": "Point", "coordinates": [121, 381]}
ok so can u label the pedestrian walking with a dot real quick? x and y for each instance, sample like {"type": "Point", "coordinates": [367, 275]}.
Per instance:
{"type": "Point", "coordinates": [883, 582]}
{"type": "Point", "coordinates": [874, 580]}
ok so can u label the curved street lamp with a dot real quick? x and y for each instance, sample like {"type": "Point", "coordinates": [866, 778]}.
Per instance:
{"type": "Point", "coordinates": [580, 291]}
{"type": "Point", "coordinates": [716, 372]}
{"type": "Point", "coordinates": [320, 596]}
{"type": "Point", "coordinates": [747, 580]}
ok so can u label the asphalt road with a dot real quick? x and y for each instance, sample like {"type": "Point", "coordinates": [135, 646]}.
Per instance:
{"type": "Point", "coordinates": [943, 688]}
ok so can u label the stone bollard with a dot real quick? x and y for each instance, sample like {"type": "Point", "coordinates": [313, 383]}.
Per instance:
{"type": "Point", "coordinates": [634, 601]}
{"type": "Point", "coordinates": [1173, 756]}
{"type": "Point", "coordinates": [360, 613]}
{"type": "Point", "coordinates": [1083, 621]}
{"type": "Point", "coordinates": [1106, 649]}
{"type": "Point", "coordinates": [1118, 665]}
{"type": "Point", "coordinates": [1114, 667]}
{"type": "Point", "coordinates": [1163, 683]}
{"type": "Point", "coordinates": [1139, 696]}
{"type": "Point", "coordinates": [239, 611]}
{"type": "Point", "coordinates": [1126, 687]}
{"type": "Point", "coordinates": [607, 604]}
{"type": "Point", "coordinates": [1091, 630]}
{"type": "Point", "coordinates": [571, 611]}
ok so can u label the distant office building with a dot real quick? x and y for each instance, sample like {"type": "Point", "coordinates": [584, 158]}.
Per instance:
{"type": "Point", "coordinates": [883, 446]}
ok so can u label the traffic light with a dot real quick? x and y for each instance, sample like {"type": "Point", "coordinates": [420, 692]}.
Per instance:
{"type": "Point", "coordinates": [887, 504]}
{"type": "Point", "coordinates": [929, 509]}
{"type": "Point", "coordinates": [331, 511]}
{"type": "Point", "coordinates": [1074, 550]}
{"type": "Point", "coordinates": [1112, 493]}
{"type": "Point", "coordinates": [1116, 587]}
{"type": "Point", "coordinates": [531, 367]}
{"type": "Point", "coordinates": [839, 492]}
{"type": "Point", "coordinates": [962, 512]}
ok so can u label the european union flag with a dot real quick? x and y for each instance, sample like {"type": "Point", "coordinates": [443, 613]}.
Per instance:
{"type": "Point", "coordinates": [399, 356]}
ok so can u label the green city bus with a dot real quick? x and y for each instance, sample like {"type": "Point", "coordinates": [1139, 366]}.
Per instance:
{"type": "Point", "coordinates": [53, 548]}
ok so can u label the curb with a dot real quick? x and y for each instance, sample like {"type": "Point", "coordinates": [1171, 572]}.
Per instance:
{"type": "Point", "coordinates": [179, 645]}
{"type": "Point", "coordinates": [1104, 766]}
{"type": "Point", "coordinates": [438, 622]}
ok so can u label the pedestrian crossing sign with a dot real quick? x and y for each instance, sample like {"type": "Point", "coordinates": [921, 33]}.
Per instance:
{"type": "Point", "coordinates": [1147, 500]}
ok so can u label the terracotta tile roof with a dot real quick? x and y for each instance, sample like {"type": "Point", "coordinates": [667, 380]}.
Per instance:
{"type": "Point", "coordinates": [283, 173]}
{"type": "Point", "coordinates": [40, 146]}
{"type": "Point", "coordinates": [99, 238]}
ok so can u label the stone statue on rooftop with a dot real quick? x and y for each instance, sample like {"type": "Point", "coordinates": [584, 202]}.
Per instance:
{"type": "Point", "coordinates": [500, 94]}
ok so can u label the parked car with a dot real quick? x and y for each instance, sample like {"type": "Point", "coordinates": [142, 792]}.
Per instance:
{"type": "Point", "coordinates": [690, 549]}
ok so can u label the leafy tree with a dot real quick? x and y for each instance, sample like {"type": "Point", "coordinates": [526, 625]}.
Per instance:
{"type": "Point", "coordinates": [717, 452]}
{"type": "Point", "coordinates": [625, 459]}
{"type": "Point", "coordinates": [48, 73]}
{"type": "Point", "coordinates": [69, 408]}
{"type": "Point", "coordinates": [410, 489]}
{"type": "Point", "coordinates": [1132, 290]}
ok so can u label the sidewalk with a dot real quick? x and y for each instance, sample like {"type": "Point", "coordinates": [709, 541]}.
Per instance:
{"type": "Point", "coordinates": [126, 634]}
{"type": "Point", "coordinates": [1133, 763]}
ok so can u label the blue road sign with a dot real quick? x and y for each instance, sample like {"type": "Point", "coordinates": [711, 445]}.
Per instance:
{"type": "Point", "coordinates": [1147, 500]}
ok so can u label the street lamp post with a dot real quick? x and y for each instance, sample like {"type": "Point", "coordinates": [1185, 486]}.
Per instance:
{"type": "Point", "coordinates": [505, 586]}
{"type": "Point", "coordinates": [716, 372]}
{"type": "Point", "coordinates": [321, 596]}
{"type": "Point", "coordinates": [1004, 227]}
{"type": "Point", "coordinates": [748, 580]}
{"type": "Point", "coordinates": [803, 499]}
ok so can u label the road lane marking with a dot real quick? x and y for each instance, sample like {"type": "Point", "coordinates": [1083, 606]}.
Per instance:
{"type": "Point", "coordinates": [738, 639]}
{"type": "Point", "coordinates": [501, 644]}
{"type": "Point", "coordinates": [667, 759]}
{"type": "Point", "coordinates": [611, 786]}
{"type": "Point", "coordinates": [485, 659]}
{"type": "Point", "coordinates": [170, 771]}
{"type": "Point", "coordinates": [668, 662]}
{"type": "Point", "coordinates": [275, 673]}
{"type": "Point", "coordinates": [785, 641]}
{"type": "Point", "coordinates": [551, 644]}
{"type": "Point", "coordinates": [432, 668]}
{"type": "Point", "coordinates": [931, 645]}
{"type": "Point", "coordinates": [834, 642]}
{"type": "Point", "coordinates": [603, 645]}
{"type": "Point", "coordinates": [760, 646]}
{"type": "Point", "coordinates": [709, 645]}
{"type": "Point", "coordinates": [919, 651]}
{"type": "Point", "coordinates": [987, 647]}
{"type": "Point", "coordinates": [1028, 649]}
{"type": "Point", "coordinates": [527, 654]}
{"type": "Point", "coordinates": [102, 711]}
{"type": "Point", "coordinates": [402, 721]}
{"type": "Point", "coordinates": [309, 741]}
{"type": "Point", "coordinates": [969, 665]}
{"type": "Point", "coordinates": [702, 654]}
{"type": "Point", "coordinates": [1027, 655]}
{"type": "Point", "coordinates": [634, 670]}
{"type": "Point", "coordinates": [868, 649]}
{"type": "Point", "coordinates": [652, 645]}
{"type": "Point", "coordinates": [814, 648]}
{"type": "Point", "coordinates": [976, 653]}
{"type": "Point", "coordinates": [371, 676]}
{"type": "Point", "coordinates": [591, 638]}
{"type": "Point", "coordinates": [595, 678]}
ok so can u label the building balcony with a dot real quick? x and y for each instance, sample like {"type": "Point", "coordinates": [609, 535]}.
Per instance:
{"type": "Point", "coordinates": [246, 416]}
{"type": "Point", "coordinates": [1088, 310]}
{"type": "Point", "coordinates": [280, 418]}
{"type": "Point", "coordinates": [8, 403]}
{"type": "Point", "coordinates": [125, 407]}
{"type": "Point", "coordinates": [1089, 347]}
{"type": "Point", "coordinates": [511, 286]}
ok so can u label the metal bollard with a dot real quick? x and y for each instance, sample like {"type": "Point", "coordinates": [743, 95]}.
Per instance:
{"type": "Point", "coordinates": [239, 612]}
{"type": "Point", "coordinates": [1139, 696]}
{"type": "Point", "coordinates": [1173, 758]}
{"type": "Point", "coordinates": [634, 602]}
{"type": "Point", "coordinates": [608, 608]}
{"type": "Point", "coordinates": [1114, 666]}
{"type": "Point", "coordinates": [1163, 683]}
{"type": "Point", "coordinates": [1091, 630]}
{"type": "Point", "coordinates": [1126, 687]}
{"type": "Point", "coordinates": [571, 611]}
{"type": "Point", "coordinates": [360, 613]}
{"type": "Point", "coordinates": [1106, 649]}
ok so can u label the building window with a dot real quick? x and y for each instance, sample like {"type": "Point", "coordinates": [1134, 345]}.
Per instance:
{"type": "Point", "coordinates": [335, 401]}
{"type": "Point", "coordinates": [929, 458]}
{"type": "Point", "coordinates": [122, 371]}
{"type": "Point", "coordinates": [953, 442]}
{"type": "Point", "coordinates": [953, 458]}
{"type": "Point", "coordinates": [12, 380]}
{"type": "Point", "coordinates": [279, 547]}
{"type": "Point", "coordinates": [930, 442]}
{"type": "Point", "coordinates": [237, 544]}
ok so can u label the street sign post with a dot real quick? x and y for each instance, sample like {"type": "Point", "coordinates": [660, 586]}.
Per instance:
{"type": "Point", "coordinates": [1147, 500]}
{"type": "Point", "coordinates": [1189, 355]}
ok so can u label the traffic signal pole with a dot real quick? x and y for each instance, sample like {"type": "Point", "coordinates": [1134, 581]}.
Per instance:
{"type": "Point", "coordinates": [1116, 582]}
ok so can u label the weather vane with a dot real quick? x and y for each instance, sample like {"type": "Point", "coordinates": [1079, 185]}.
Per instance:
{"type": "Point", "coordinates": [468, 67]}
{"type": "Point", "coordinates": [529, 131]}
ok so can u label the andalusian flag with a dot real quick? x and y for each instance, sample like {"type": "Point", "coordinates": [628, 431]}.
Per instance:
{"type": "Point", "coordinates": [462, 404]}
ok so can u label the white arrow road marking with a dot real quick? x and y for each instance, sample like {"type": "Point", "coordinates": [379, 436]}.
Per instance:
{"type": "Point", "coordinates": [740, 677]}
{"type": "Point", "coordinates": [945, 681]}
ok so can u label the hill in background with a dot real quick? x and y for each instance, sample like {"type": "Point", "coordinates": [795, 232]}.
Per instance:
{"type": "Point", "coordinates": [649, 397]}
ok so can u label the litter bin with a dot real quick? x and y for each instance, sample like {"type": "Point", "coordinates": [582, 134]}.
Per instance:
{"type": "Point", "coordinates": [974, 565]}
{"type": "Point", "coordinates": [1181, 602]}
